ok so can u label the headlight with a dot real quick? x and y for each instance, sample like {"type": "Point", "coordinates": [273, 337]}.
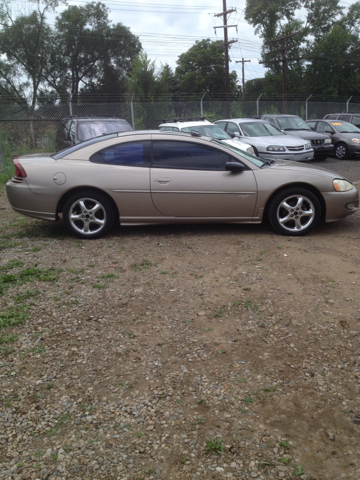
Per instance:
{"type": "Point", "coordinates": [250, 150]}
{"type": "Point", "coordinates": [275, 148]}
{"type": "Point", "coordinates": [342, 185]}
{"type": "Point", "coordinates": [308, 146]}
{"type": "Point", "coordinates": [355, 140]}
{"type": "Point", "coordinates": [328, 140]}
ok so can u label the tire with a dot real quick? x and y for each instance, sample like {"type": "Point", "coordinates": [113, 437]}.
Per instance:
{"type": "Point", "coordinates": [88, 214]}
{"type": "Point", "coordinates": [341, 151]}
{"type": "Point", "coordinates": [294, 211]}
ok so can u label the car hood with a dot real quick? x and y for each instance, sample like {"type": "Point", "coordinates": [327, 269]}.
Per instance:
{"type": "Point", "coordinates": [304, 168]}
{"type": "Point", "coordinates": [237, 143]}
{"type": "Point", "coordinates": [282, 140]}
{"type": "Point", "coordinates": [349, 135]}
{"type": "Point", "coordinates": [306, 134]}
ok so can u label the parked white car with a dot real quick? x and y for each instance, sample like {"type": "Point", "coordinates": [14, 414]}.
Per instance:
{"type": "Point", "coordinates": [268, 141]}
{"type": "Point", "coordinates": [204, 127]}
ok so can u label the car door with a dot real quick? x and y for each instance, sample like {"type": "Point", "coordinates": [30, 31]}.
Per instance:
{"type": "Point", "coordinates": [189, 179]}
{"type": "Point", "coordinates": [327, 129]}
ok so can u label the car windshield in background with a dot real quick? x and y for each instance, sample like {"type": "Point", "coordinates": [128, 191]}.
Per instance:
{"type": "Point", "coordinates": [212, 131]}
{"type": "Point", "coordinates": [79, 146]}
{"type": "Point", "coordinates": [259, 129]}
{"type": "Point", "coordinates": [252, 158]}
{"type": "Point", "coordinates": [93, 129]}
{"type": "Point", "coordinates": [345, 127]}
{"type": "Point", "coordinates": [292, 123]}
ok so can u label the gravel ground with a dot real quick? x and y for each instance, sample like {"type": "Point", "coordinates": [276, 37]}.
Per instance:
{"type": "Point", "coordinates": [179, 352]}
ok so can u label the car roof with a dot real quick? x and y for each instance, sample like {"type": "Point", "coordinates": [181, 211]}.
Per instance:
{"type": "Point", "coordinates": [343, 113]}
{"type": "Point", "coordinates": [186, 123]}
{"type": "Point", "coordinates": [113, 119]}
{"type": "Point", "coordinates": [280, 115]}
{"type": "Point", "coordinates": [242, 120]}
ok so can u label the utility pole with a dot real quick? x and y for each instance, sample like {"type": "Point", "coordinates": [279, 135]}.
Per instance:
{"type": "Point", "coordinates": [226, 44]}
{"type": "Point", "coordinates": [243, 75]}
{"type": "Point", "coordinates": [284, 59]}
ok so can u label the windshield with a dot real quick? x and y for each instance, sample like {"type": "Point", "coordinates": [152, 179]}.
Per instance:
{"type": "Point", "coordinates": [252, 158]}
{"type": "Point", "coordinates": [345, 127]}
{"type": "Point", "coordinates": [292, 123]}
{"type": "Point", "coordinates": [257, 129]}
{"type": "Point", "coordinates": [79, 146]}
{"type": "Point", "coordinates": [212, 131]}
{"type": "Point", "coordinates": [93, 129]}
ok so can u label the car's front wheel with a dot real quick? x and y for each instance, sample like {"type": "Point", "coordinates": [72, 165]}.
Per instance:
{"type": "Point", "coordinates": [88, 214]}
{"type": "Point", "coordinates": [341, 151]}
{"type": "Point", "coordinates": [294, 211]}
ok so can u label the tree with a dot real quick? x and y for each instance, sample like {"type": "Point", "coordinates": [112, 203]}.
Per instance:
{"type": "Point", "coordinates": [143, 79]}
{"type": "Point", "coordinates": [90, 51]}
{"type": "Point", "coordinates": [202, 70]}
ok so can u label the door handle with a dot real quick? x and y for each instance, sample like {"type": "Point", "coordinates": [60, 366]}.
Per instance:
{"type": "Point", "coordinates": [162, 180]}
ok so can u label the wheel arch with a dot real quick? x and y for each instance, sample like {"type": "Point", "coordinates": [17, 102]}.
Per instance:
{"type": "Point", "coordinates": [71, 192]}
{"type": "Point", "coordinates": [311, 188]}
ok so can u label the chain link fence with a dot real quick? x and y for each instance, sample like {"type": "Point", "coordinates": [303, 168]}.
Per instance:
{"type": "Point", "coordinates": [22, 132]}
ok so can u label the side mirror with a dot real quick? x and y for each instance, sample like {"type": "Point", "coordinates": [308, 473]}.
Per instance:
{"type": "Point", "coordinates": [234, 167]}
{"type": "Point", "coordinates": [235, 135]}
{"type": "Point", "coordinates": [329, 131]}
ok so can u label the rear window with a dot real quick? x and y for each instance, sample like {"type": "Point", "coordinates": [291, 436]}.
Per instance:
{"type": "Point", "coordinates": [79, 146]}
{"type": "Point", "coordinates": [134, 153]}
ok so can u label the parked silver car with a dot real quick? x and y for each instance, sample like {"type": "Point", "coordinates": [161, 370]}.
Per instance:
{"type": "Point", "coordinates": [268, 141]}
{"type": "Point", "coordinates": [166, 177]}
{"type": "Point", "coordinates": [344, 135]}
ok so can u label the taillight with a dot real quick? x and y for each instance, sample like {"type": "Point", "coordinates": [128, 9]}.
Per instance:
{"type": "Point", "coordinates": [19, 169]}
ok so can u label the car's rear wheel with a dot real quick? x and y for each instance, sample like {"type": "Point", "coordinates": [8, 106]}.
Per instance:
{"type": "Point", "coordinates": [294, 211]}
{"type": "Point", "coordinates": [341, 151]}
{"type": "Point", "coordinates": [88, 214]}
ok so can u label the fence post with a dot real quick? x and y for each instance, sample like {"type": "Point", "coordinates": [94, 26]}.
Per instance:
{"type": "Point", "coordinates": [257, 104]}
{"type": "Point", "coordinates": [347, 104]}
{"type": "Point", "coordinates": [201, 106]}
{"type": "Point", "coordinates": [132, 111]}
{"type": "Point", "coordinates": [70, 104]}
{"type": "Point", "coordinates": [306, 107]}
{"type": "Point", "coordinates": [2, 163]}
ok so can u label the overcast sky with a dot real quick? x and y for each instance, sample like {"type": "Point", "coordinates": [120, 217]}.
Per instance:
{"type": "Point", "coordinates": [168, 28]}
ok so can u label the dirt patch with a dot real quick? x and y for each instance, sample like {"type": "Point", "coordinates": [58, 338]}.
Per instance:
{"type": "Point", "coordinates": [131, 356]}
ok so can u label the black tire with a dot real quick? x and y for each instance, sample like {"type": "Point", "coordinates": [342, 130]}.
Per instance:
{"type": "Point", "coordinates": [88, 214]}
{"type": "Point", "coordinates": [341, 151]}
{"type": "Point", "coordinates": [294, 211]}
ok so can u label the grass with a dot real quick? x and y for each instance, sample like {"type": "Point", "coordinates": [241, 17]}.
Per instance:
{"type": "Point", "coordinates": [145, 264]}
{"type": "Point", "coordinates": [284, 444]}
{"type": "Point", "coordinates": [31, 274]}
{"type": "Point", "coordinates": [248, 400]}
{"type": "Point", "coordinates": [298, 471]}
{"type": "Point", "coordinates": [214, 446]}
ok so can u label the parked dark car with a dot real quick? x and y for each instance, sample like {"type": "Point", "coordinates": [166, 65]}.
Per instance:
{"type": "Point", "coordinates": [294, 125]}
{"type": "Point", "coordinates": [353, 118]}
{"type": "Point", "coordinates": [74, 130]}
{"type": "Point", "coordinates": [345, 136]}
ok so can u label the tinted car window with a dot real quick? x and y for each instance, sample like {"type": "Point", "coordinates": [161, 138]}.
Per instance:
{"type": "Point", "coordinates": [259, 129]}
{"type": "Point", "coordinates": [345, 117]}
{"type": "Point", "coordinates": [312, 125]}
{"type": "Point", "coordinates": [271, 120]}
{"type": "Point", "coordinates": [221, 124]}
{"type": "Point", "coordinates": [356, 120]}
{"type": "Point", "coordinates": [331, 116]}
{"type": "Point", "coordinates": [324, 127]}
{"type": "Point", "coordinates": [79, 146]}
{"type": "Point", "coordinates": [169, 129]}
{"type": "Point", "coordinates": [181, 155]}
{"type": "Point", "coordinates": [134, 153]}
{"type": "Point", "coordinates": [213, 131]}
{"type": "Point", "coordinates": [232, 128]}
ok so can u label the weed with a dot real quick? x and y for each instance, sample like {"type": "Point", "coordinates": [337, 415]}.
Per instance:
{"type": "Point", "coordinates": [241, 380]}
{"type": "Point", "coordinates": [139, 434]}
{"type": "Point", "coordinates": [20, 465]}
{"type": "Point", "coordinates": [214, 446]}
{"type": "Point", "coordinates": [298, 471]}
{"type": "Point", "coordinates": [201, 401]}
{"type": "Point", "coordinates": [284, 445]}
{"type": "Point", "coordinates": [219, 313]}
{"type": "Point", "coordinates": [40, 349]}
{"type": "Point", "coordinates": [49, 386]}
{"type": "Point", "coordinates": [178, 400]}
{"type": "Point", "coordinates": [248, 400]}
{"type": "Point", "coordinates": [109, 276]}
{"type": "Point", "coordinates": [209, 329]}
{"type": "Point", "coordinates": [99, 286]}
{"type": "Point", "coordinates": [286, 460]}
{"type": "Point", "coordinates": [122, 384]}
{"type": "Point", "coordinates": [247, 288]}
{"type": "Point", "coordinates": [164, 272]}
{"type": "Point", "coordinates": [201, 419]}
{"type": "Point", "coordinates": [8, 338]}
{"type": "Point", "coordinates": [222, 351]}
{"type": "Point", "coordinates": [145, 264]}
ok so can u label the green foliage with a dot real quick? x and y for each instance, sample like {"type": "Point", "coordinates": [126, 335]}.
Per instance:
{"type": "Point", "coordinates": [214, 446]}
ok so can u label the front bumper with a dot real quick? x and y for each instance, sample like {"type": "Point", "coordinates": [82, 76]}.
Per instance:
{"type": "Point", "coordinates": [323, 150]}
{"type": "Point", "coordinates": [295, 157]}
{"type": "Point", "coordinates": [338, 204]}
{"type": "Point", "coordinates": [354, 148]}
